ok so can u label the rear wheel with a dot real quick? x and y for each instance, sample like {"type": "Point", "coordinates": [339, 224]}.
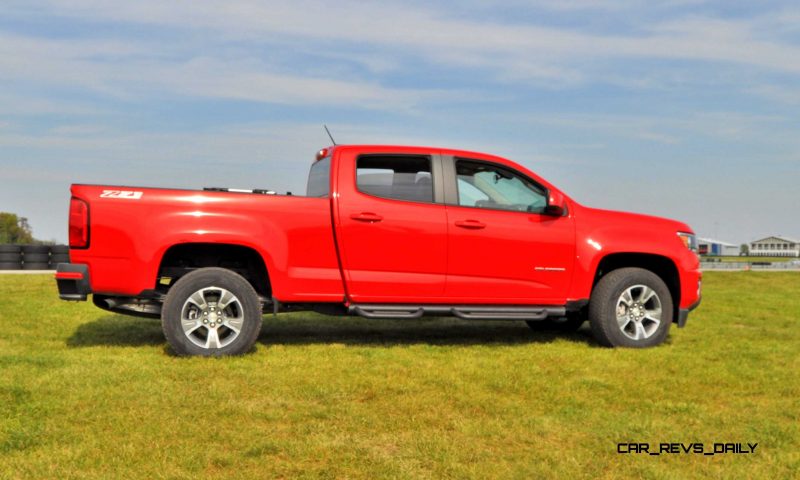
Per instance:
{"type": "Point", "coordinates": [630, 307]}
{"type": "Point", "coordinates": [211, 312]}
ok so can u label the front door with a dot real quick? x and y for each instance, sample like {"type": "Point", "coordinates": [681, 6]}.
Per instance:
{"type": "Point", "coordinates": [502, 247]}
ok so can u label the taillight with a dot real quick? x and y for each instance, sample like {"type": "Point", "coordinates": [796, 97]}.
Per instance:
{"type": "Point", "coordinates": [78, 223]}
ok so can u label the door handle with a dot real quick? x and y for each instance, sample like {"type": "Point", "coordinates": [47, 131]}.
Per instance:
{"type": "Point", "coordinates": [471, 224]}
{"type": "Point", "coordinates": [366, 217]}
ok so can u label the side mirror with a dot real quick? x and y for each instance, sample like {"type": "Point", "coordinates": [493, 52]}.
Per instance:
{"type": "Point", "coordinates": [556, 205]}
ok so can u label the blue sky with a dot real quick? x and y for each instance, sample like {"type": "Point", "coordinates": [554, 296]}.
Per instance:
{"type": "Point", "coordinates": [686, 108]}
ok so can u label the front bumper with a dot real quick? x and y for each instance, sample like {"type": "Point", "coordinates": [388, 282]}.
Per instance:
{"type": "Point", "coordinates": [73, 281]}
{"type": "Point", "coordinates": [683, 314]}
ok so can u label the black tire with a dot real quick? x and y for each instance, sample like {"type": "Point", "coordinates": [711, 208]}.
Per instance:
{"type": "Point", "coordinates": [10, 249]}
{"type": "Point", "coordinates": [57, 258]}
{"type": "Point", "coordinates": [39, 249]}
{"type": "Point", "coordinates": [195, 281]}
{"type": "Point", "coordinates": [570, 323]}
{"type": "Point", "coordinates": [36, 266]}
{"type": "Point", "coordinates": [36, 257]}
{"type": "Point", "coordinates": [10, 265]}
{"type": "Point", "coordinates": [603, 308]}
{"type": "Point", "coordinates": [10, 257]}
{"type": "Point", "coordinates": [56, 249]}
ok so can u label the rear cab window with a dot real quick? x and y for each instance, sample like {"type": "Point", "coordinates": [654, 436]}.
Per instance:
{"type": "Point", "coordinates": [396, 177]}
{"type": "Point", "coordinates": [319, 179]}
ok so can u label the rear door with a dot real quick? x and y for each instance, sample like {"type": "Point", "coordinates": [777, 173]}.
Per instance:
{"type": "Point", "coordinates": [392, 225]}
{"type": "Point", "coordinates": [502, 248]}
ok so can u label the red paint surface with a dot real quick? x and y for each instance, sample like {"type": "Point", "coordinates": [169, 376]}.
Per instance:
{"type": "Point", "coordinates": [391, 251]}
{"type": "Point", "coordinates": [69, 276]}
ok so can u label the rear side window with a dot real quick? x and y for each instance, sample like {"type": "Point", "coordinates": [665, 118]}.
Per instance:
{"type": "Point", "coordinates": [319, 178]}
{"type": "Point", "coordinates": [399, 177]}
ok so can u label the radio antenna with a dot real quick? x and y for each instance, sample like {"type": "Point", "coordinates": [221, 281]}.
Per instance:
{"type": "Point", "coordinates": [329, 134]}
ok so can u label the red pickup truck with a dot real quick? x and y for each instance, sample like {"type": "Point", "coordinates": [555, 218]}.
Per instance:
{"type": "Point", "coordinates": [383, 232]}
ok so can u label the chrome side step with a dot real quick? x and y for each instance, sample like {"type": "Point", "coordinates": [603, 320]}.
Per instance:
{"type": "Point", "coordinates": [466, 312]}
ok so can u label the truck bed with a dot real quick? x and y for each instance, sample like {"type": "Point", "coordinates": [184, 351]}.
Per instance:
{"type": "Point", "coordinates": [132, 227]}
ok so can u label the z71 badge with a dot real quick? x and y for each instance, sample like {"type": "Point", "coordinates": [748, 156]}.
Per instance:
{"type": "Point", "coordinates": [121, 194]}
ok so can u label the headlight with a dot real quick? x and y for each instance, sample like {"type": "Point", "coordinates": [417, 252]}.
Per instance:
{"type": "Point", "coordinates": [689, 240]}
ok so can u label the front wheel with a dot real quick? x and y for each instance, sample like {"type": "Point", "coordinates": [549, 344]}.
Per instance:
{"type": "Point", "coordinates": [211, 312]}
{"type": "Point", "coordinates": [630, 307]}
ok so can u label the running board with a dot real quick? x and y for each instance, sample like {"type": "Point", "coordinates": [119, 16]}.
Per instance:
{"type": "Point", "coordinates": [466, 312]}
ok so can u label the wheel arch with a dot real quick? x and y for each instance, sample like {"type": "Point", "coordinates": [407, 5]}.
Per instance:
{"type": "Point", "coordinates": [662, 266]}
{"type": "Point", "coordinates": [182, 258]}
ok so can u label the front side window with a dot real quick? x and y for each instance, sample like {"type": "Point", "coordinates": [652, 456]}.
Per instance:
{"type": "Point", "coordinates": [487, 185]}
{"type": "Point", "coordinates": [399, 177]}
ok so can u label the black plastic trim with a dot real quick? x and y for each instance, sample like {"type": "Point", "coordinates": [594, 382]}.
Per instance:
{"type": "Point", "coordinates": [466, 312]}
{"type": "Point", "coordinates": [450, 180]}
{"type": "Point", "coordinates": [577, 305]}
{"type": "Point", "coordinates": [133, 306]}
{"type": "Point", "coordinates": [437, 171]}
{"type": "Point", "coordinates": [377, 311]}
{"type": "Point", "coordinates": [73, 289]}
{"type": "Point", "coordinates": [683, 314]}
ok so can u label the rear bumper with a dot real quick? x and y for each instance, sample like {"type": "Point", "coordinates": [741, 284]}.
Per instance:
{"type": "Point", "coordinates": [683, 314]}
{"type": "Point", "coordinates": [73, 281]}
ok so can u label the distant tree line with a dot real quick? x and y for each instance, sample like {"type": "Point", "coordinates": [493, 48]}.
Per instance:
{"type": "Point", "coordinates": [15, 229]}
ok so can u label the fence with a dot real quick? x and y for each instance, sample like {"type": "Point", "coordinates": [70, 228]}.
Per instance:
{"type": "Point", "coordinates": [46, 257]}
{"type": "Point", "coordinates": [32, 257]}
{"type": "Point", "coordinates": [710, 266]}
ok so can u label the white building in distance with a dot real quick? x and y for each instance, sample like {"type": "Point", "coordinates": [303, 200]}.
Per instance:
{"type": "Point", "coordinates": [775, 246]}
{"type": "Point", "coordinates": [708, 246]}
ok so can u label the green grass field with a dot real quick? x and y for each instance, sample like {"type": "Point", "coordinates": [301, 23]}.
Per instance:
{"type": "Point", "coordinates": [87, 394]}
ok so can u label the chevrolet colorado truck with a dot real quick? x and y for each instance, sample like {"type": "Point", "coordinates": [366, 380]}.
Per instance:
{"type": "Point", "coordinates": [382, 232]}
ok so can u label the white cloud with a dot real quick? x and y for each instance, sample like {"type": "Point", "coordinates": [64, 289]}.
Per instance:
{"type": "Point", "coordinates": [18, 103]}
{"type": "Point", "coordinates": [433, 33]}
{"type": "Point", "coordinates": [71, 63]}
{"type": "Point", "coordinates": [214, 50]}
{"type": "Point", "coordinates": [382, 34]}
{"type": "Point", "coordinates": [784, 95]}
